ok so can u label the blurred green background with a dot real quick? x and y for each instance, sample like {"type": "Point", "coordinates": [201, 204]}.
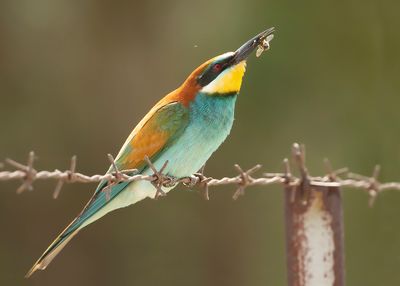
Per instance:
{"type": "Point", "coordinates": [76, 76]}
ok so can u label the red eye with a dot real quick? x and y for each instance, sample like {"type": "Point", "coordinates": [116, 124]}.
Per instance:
{"type": "Point", "coordinates": [217, 67]}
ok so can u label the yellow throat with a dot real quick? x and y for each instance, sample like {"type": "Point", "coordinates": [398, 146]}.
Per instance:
{"type": "Point", "coordinates": [228, 81]}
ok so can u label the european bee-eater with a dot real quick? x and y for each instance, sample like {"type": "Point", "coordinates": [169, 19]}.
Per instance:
{"type": "Point", "coordinates": [185, 128]}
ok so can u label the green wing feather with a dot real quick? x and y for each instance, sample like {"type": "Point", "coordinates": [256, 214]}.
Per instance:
{"type": "Point", "coordinates": [173, 119]}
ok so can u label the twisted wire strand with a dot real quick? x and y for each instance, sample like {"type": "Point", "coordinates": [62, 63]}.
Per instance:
{"type": "Point", "coordinates": [244, 179]}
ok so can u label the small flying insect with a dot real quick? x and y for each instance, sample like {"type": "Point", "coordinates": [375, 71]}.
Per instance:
{"type": "Point", "coordinates": [264, 45]}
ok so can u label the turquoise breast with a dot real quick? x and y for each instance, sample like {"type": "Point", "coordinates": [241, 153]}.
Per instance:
{"type": "Point", "coordinates": [211, 119]}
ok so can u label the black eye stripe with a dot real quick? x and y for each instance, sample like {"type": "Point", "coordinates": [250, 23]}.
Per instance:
{"type": "Point", "coordinates": [212, 72]}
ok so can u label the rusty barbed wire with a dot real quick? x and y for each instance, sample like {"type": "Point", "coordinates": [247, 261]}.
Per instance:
{"type": "Point", "coordinates": [28, 174]}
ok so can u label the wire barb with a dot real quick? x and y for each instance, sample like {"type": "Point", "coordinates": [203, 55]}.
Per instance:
{"type": "Point", "coordinates": [202, 181]}
{"type": "Point", "coordinates": [116, 177]}
{"type": "Point", "coordinates": [288, 179]}
{"type": "Point", "coordinates": [299, 155]}
{"type": "Point", "coordinates": [160, 180]}
{"type": "Point", "coordinates": [331, 173]}
{"type": "Point", "coordinates": [373, 189]}
{"type": "Point", "coordinates": [245, 180]}
{"type": "Point", "coordinates": [29, 172]}
{"type": "Point", "coordinates": [69, 178]}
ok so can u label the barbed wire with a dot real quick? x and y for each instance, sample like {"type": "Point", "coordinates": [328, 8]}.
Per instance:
{"type": "Point", "coordinates": [245, 178]}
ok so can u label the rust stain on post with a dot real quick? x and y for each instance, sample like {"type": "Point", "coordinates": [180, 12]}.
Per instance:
{"type": "Point", "coordinates": [314, 236]}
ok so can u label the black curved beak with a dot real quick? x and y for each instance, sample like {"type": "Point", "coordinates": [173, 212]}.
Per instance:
{"type": "Point", "coordinates": [247, 48]}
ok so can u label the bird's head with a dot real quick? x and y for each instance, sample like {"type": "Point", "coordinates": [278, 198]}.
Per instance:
{"type": "Point", "coordinates": [222, 75]}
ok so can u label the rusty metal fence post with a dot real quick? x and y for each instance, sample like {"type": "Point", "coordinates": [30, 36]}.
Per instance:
{"type": "Point", "coordinates": [314, 230]}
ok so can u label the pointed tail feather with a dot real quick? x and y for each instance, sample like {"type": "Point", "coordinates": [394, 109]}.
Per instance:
{"type": "Point", "coordinates": [52, 251]}
{"type": "Point", "coordinates": [98, 206]}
